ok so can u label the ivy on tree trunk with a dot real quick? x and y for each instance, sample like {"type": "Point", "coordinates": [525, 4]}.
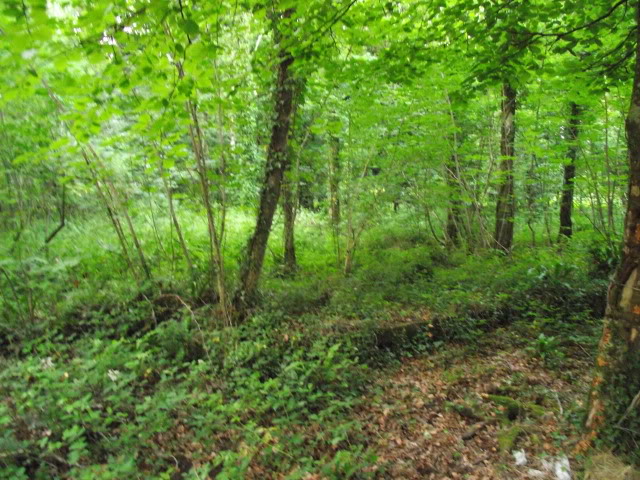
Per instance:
{"type": "Point", "coordinates": [277, 164]}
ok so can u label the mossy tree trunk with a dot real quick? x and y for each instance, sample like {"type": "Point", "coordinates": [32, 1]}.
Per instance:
{"type": "Point", "coordinates": [614, 403]}
{"type": "Point", "coordinates": [506, 204]}
{"type": "Point", "coordinates": [277, 164]}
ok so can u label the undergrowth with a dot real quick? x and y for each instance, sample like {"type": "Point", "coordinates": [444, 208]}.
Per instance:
{"type": "Point", "coordinates": [105, 377]}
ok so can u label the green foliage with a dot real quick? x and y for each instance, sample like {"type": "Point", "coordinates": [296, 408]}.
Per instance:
{"type": "Point", "coordinates": [118, 353]}
{"type": "Point", "coordinates": [110, 408]}
{"type": "Point", "coordinates": [121, 379]}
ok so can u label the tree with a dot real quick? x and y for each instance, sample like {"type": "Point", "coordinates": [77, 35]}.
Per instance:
{"type": "Point", "coordinates": [334, 190]}
{"type": "Point", "coordinates": [506, 203]}
{"type": "Point", "coordinates": [289, 208]}
{"type": "Point", "coordinates": [277, 163]}
{"type": "Point", "coordinates": [615, 390]}
{"type": "Point", "coordinates": [566, 202]}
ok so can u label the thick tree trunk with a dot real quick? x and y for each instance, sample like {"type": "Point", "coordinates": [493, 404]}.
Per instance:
{"type": "Point", "coordinates": [614, 403]}
{"type": "Point", "coordinates": [506, 205]}
{"type": "Point", "coordinates": [566, 202]}
{"type": "Point", "coordinates": [277, 163]}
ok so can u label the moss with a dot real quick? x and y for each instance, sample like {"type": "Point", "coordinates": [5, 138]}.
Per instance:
{"type": "Point", "coordinates": [515, 408]}
{"type": "Point", "coordinates": [507, 438]}
{"type": "Point", "coordinates": [467, 412]}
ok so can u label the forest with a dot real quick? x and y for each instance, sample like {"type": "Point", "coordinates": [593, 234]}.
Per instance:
{"type": "Point", "coordinates": [320, 239]}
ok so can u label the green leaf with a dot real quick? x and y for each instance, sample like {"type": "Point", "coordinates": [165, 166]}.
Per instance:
{"type": "Point", "coordinates": [190, 27]}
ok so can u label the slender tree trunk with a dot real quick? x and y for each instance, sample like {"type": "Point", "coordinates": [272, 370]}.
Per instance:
{"type": "Point", "coordinates": [506, 205]}
{"type": "Point", "coordinates": [176, 224]}
{"type": "Point", "coordinates": [596, 201]}
{"type": "Point", "coordinates": [288, 207]}
{"type": "Point", "coordinates": [454, 182]}
{"type": "Point", "coordinates": [614, 402]}
{"type": "Point", "coordinates": [611, 183]}
{"type": "Point", "coordinates": [530, 194]}
{"type": "Point", "coordinates": [277, 163]}
{"type": "Point", "coordinates": [103, 192]}
{"type": "Point", "coordinates": [334, 181]}
{"type": "Point", "coordinates": [350, 252]}
{"type": "Point", "coordinates": [120, 207]}
{"type": "Point", "coordinates": [334, 193]}
{"type": "Point", "coordinates": [215, 244]}
{"type": "Point", "coordinates": [174, 217]}
{"type": "Point", "coordinates": [291, 192]}
{"type": "Point", "coordinates": [113, 193]}
{"type": "Point", "coordinates": [113, 216]}
{"type": "Point", "coordinates": [454, 215]}
{"type": "Point", "coordinates": [432, 229]}
{"type": "Point", "coordinates": [566, 202]}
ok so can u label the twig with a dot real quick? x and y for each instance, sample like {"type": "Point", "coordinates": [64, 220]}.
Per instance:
{"type": "Point", "coordinates": [153, 312]}
{"type": "Point", "coordinates": [634, 403]}
{"type": "Point", "coordinates": [583, 349]}
{"type": "Point", "coordinates": [559, 404]}
{"type": "Point", "coordinates": [62, 216]}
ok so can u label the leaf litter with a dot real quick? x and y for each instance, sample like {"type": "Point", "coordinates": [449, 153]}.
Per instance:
{"type": "Point", "coordinates": [462, 412]}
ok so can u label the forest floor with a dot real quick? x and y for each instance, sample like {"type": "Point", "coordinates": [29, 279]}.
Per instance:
{"type": "Point", "coordinates": [420, 365]}
{"type": "Point", "coordinates": [463, 412]}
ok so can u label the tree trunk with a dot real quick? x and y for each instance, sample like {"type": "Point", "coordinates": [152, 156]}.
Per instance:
{"type": "Point", "coordinates": [454, 215]}
{"type": "Point", "coordinates": [334, 193]}
{"type": "Point", "coordinates": [506, 205]}
{"type": "Point", "coordinates": [277, 163]}
{"type": "Point", "coordinates": [176, 224]}
{"type": "Point", "coordinates": [132, 232]}
{"type": "Point", "coordinates": [614, 402]}
{"type": "Point", "coordinates": [334, 181]}
{"type": "Point", "coordinates": [215, 236]}
{"type": "Point", "coordinates": [566, 202]}
{"type": "Point", "coordinates": [288, 207]}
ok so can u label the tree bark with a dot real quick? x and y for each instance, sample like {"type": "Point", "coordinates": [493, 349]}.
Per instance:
{"type": "Point", "coordinates": [614, 401]}
{"type": "Point", "coordinates": [566, 202]}
{"type": "Point", "coordinates": [289, 210]}
{"type": "Point", "coordinates": [277, 163]}
{"type": "Point", "coordinates": [334, 193]}
{"type": "Point", "coordinates": [454, 215]}
{"type": "Point", "coordinates": [506, 204]}
{"type": "Point", "coordinates": [215, 236]}
{"type": "Point", "coordinates": [334, 181]}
